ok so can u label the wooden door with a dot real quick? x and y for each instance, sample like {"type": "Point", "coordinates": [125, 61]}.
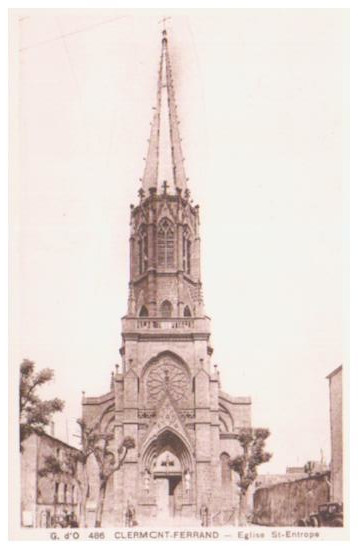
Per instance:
{"type": "Point", "coordinates": [162, 494]}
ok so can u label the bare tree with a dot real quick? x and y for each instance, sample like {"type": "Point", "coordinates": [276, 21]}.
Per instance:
{"type": "Point", "coordinates": [90, 436]}
{"type": "Point", "coordinates": [108, 462]}
{"type": "Point", "coordinates": [252, 442]}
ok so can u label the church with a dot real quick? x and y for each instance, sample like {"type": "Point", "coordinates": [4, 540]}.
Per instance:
{"type": "Point", "coordinates": [166, 393]}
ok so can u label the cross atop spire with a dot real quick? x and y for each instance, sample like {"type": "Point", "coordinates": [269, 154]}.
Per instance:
{"type": "Point", "coordinates": [163, 21]}
{"type": "Point", "coordinates": [164, 161]}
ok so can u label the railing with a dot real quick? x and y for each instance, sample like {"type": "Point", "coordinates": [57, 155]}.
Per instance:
{"type": "Point", "coordinates": [166, 324]}
{"type": "Point", "coordinates": [171, 324]}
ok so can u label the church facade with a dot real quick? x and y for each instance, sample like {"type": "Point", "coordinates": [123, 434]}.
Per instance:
{"type": "Point", "coordinates": [166, 393]}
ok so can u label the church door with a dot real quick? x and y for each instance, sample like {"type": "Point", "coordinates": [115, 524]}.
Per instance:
{"type": "Point", "coordinates": [162, 493]}
{"type": "Point", "coordinates": [174, 494]}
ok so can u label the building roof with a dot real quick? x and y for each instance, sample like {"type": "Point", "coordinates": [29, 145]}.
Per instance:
{"type": "Point", "coordinates": [59, 441]}
{"type": "Point", "coordinates": [334, 372]}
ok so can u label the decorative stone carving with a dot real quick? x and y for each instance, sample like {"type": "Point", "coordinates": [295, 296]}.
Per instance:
{"type": "Point", "coordinates": [186, 415]}
{"type": "Point", "coordinates": [166, 377]}
{"type": "Point", "coordinates": [187, 480]}
{"type": "Point", "coordinates": [146, 414]}
{"type": "Point", "coordinates": [165, 210]}
{"type": "Point", "coordinates": [147, 480]}
{"type": "Point", "coordinates": [167, 417]}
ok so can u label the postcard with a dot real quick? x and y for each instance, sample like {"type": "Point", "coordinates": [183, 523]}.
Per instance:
{"type": "Point", "coordinates": [179, 274]}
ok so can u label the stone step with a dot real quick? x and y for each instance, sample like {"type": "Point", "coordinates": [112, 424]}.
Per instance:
{"type": "Point", "coordinates": [169, 522]}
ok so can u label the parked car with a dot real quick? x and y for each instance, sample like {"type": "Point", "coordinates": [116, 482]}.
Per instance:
{"type": "Point", "coordinates": [328, 514]}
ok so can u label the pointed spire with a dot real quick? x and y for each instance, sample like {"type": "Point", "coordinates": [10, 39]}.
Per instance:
{"type": "Point", "coordinates": [164, 161]}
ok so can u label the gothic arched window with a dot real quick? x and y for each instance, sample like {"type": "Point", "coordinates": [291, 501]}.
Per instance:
{"type": "Point", "coordinates": [166, 309]}
{"type": "Point", "coordinates": [187, 311]}
{"type": "Point", "coordinates": [143, 311]}
{"type": "Point", "coordinates": [165, 242]}
{"type": "Point", "coordinates": [186, 251]}
{"type": "Point", "coordinates": [142, 249]}
{"type": "Point", "coordinates": [225, 469]}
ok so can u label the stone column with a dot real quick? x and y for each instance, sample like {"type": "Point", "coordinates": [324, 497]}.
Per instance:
{"type": "Point", "coordinates": [202, 438]}
{"type": "Point", "coordinates": [215, 441]}
{"type": "Point", "coordinates": [151, 296]}
{"type": "Point", "coordinates": [130, 428]}
{"type": "Point", "coordinates": [179, 257]}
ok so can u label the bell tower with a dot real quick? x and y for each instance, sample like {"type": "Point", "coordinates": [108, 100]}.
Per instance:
{"type": "Point", "coordinates": [165, 277]}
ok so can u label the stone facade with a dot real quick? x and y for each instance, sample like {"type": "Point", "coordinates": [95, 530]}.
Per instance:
{"type": "Point", "coordinates": [44, 498]}
{"type": "Point", "coordinates": [166, 393]}
{"type": "Point", "coordinates": [335, 399]}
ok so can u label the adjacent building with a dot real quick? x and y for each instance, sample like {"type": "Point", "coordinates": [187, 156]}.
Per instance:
{"type": "Point", "coordinates": [336, 420]}
{"type": "Point", "coordinates": [286, 500]}
{"type": "Point", "coordinates": [45, 498]}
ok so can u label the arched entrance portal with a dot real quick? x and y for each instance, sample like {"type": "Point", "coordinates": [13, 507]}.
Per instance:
{"type": "Point", "coordinates": [168, 473]}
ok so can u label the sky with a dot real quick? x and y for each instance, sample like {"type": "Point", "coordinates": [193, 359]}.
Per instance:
{"type": "Point", "coordinates": [263, 103]}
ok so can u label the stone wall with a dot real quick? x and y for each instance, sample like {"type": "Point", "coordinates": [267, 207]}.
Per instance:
{"type": "Point", "coordinates": [29, 481]}
{"type": "Point", "coordinates": [264, 481]}
{"type": "Point", "coordinates": [285, 503]}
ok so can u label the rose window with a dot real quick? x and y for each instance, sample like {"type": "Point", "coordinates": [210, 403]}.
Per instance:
{"type": "Point", "coordinates": [165, 379]}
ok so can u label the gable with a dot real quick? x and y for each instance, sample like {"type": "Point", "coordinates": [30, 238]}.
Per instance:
{"type": "Point", "coordinates": [167, 417]}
